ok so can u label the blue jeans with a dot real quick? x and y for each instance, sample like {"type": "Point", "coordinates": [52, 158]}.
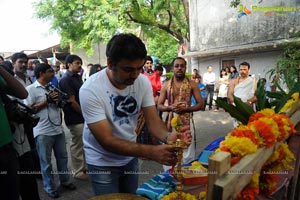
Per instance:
{"type": "Point", "coordinates": [107, 180]}
{"type": "Point", "coordinates": [44, 146]}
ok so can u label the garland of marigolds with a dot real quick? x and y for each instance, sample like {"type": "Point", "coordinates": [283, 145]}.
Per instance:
{"type": "Point", "coordinates": [264, 129]}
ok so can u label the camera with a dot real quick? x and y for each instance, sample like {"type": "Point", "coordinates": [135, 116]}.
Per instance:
{"type": "Point", "coordinates": [62, 98]}
{"type": "Point", "coordinates": [19, 112]}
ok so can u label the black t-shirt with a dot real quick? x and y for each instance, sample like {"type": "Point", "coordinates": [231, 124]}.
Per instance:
{"type": "Point", "coordinates": [70, 84]}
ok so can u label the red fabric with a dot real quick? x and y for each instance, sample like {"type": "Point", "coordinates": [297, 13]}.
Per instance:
{"type": "Point", "coordinates": [155, 81]}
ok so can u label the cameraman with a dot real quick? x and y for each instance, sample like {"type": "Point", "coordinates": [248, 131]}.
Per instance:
{"type": "Point", "coordinates": [48, 133]}
{"type": "Point", "coordinates": [28, 184]}
{"type": "Point", "coordinates": [9, 180]}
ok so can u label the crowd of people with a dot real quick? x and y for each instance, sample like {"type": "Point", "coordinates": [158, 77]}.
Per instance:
{"type": "Point", "coordinates": [115, 115]}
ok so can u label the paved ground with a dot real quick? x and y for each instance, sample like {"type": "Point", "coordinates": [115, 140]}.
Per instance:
{"type": "Point", "coordinates": [209, 126]}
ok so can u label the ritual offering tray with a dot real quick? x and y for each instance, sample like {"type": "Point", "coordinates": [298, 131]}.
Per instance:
{"type": "Point", "coordinates": [194, 174]}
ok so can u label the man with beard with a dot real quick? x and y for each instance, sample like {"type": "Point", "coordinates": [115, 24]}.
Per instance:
{"type": "Point", "coordinates": [178, 92]}
{"type": "Point", "coordinates": [70, 84]}
{"type": "Point", "coordinates": [110, 102]}
{"type": "Point", "coordinates": [243, 86]}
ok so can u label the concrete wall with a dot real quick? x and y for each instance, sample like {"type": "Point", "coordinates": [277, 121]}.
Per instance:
{"type": "Point", "coordinates": [213, 24]}
{"type": "Point", "coordinates": [260, 63]}
{"type": "Point", "coordinates": [98, 56]}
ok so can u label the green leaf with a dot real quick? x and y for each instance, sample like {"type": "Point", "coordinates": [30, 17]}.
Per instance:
{"type": "Point", "coordinates": [283, 100]}
{"type": "Point", "coordinates": [233, 111]}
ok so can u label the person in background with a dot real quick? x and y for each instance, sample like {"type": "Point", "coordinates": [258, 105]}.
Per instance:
{"type": "Point", "coordinates": [223, 87]}
{"type": "Point", "coordinates": [227, 69]}
{"type": "Point", "coordinates": [48, 133]}
{"type": "Point", "coordinates": [178, 92]}
{"type": "Point", "coordinates": [95, 68]}
{"type": "Point", "coordinates": [233, 72]}
{"type": "Point", "coordinates": [86, 73]}
{"type": "Point", "coordinates": [57, 72]}
{"type": "Point", "coordinates": [22, 133]}
{"type": "Point", "coordinates": [9, 181]}
{"type": "Point", "coordinates": [243, 86]}
{"type": "Point", "coordinates": [148, 66]}
{"type": "Point", "coordinates": [209, 79]}
{"type": "Point", "coordinates": [144, 137]}
{"type": "Point", "coordinates": [30, 71]}
{"type": "Point", "coordinates": [70, 84]}
{"type": "Point", "coordinates": [111, 113]}
{"type": "Point", "coordinates": [195, 74]}
{"type": "Point", "coordinates": [201, 87]}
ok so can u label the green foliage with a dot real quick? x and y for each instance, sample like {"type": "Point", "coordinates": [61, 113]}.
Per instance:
{"type": "Point", "coordinates": [288, 66]}
{"type": "Point", "coordinates": [171, 74]}
{"type": "Point", "coordinates": [166, 50]}
{"type": "Point", "coordinates": [83, 23]}
{"type": "Point", "coordinates": [235, 3]}
{"type": "Point", "coordinates": [240, 111]}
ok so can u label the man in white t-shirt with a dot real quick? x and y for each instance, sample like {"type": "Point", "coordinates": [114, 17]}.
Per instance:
{"type": "Point", "coordinates": [110, 102]}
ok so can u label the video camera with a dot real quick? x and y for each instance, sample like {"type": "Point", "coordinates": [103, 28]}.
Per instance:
{"type": "Point", "coordinates": [63, 98]}
{"type": "Point", "coordinates": [19, 112]}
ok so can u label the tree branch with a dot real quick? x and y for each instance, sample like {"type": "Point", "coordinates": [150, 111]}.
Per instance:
{"type": "Point", "coordinates": [176, 35]}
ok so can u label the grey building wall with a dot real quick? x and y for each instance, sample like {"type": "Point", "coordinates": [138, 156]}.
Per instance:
{"type": "Point", "coordinates": [260, 63]}
{"type": "Point", "coordinates": [98, 57]}
{"type": "Point", "coordinates": [251, 32]}
{"type": "Point", "coordinates": [215, 25]}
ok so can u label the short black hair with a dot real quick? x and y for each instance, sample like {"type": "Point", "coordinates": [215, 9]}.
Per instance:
{"type": "Point", "coordinates": [246, 64]}
{"type": "Point", "coordinates": [71, 58]}
{"type": "Point", "coordinates": [158, 67]}
{"type": "Point", "coordinates": [8, 67]}
{"type": "Point", "coordinates": [149, 58]}
{"type": "Point", "coordinates": [125, 46]}
{"type": "Point", "coordinates": [18, 55]}
{"type": "Point", "coordinates": [41, 67]}
{"type": "Point", "coordinates": [178, 58]}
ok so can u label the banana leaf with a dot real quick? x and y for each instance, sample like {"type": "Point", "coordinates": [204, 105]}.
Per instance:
{"type": "Point", "coordinates": [284, 99]}
{"type": "Point", "coordinates": [261, 96]}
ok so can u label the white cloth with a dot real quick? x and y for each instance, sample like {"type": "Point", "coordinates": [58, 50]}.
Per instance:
{"type": "Point", "coordinates": [209, 78]}
{"type": "Point", "coordinates": [223, 87]}
{"type": "Point", "coordinates": [245, 89]}
{"type": "Point", "coordinates": [20, 142]}
{"type": "Point", "coordinates": [50, 119]}
{"type": "Point", "coordinates": [100, 100]}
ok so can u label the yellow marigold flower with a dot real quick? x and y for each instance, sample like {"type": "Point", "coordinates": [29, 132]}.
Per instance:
{"type": "Point", "coordinates": [294, 99]}
{"type": "Point", "coordinates": [174, 195]}
{"type": "Point", "coordinates": [295, 96]}
{"type": "Point", "coordinates": [202, 196]}
{"type": "Point", "coordinates": [267, 112]}
{"type": "Point", "coordinates": [176, 123]}
{"type": "Point", "coordinates": [273, 124]}
{"type": "Point", "coordinates": [240, 146]}
{"type": "Point", "coordinates": [288, 158]}
{"type": "Point", "coordinates": [196, 163]}
{"type": "Point", "coordinates": [255, 180]}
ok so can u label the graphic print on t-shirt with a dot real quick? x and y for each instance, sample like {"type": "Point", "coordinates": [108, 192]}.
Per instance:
{"type": "Point", "coordinates": [123, 107]}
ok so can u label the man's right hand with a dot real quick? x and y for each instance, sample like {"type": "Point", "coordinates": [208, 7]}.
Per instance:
{"type": "Point", "coordinates": [163, 154]}
{"type": "Point", "coordinates": [52, 97]}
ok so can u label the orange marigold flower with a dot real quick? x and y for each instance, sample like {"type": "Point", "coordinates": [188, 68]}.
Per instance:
{"type": "Point", "coordinates": [244, 131]}
{"type": "Point", "coordinates": [265, 132]}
